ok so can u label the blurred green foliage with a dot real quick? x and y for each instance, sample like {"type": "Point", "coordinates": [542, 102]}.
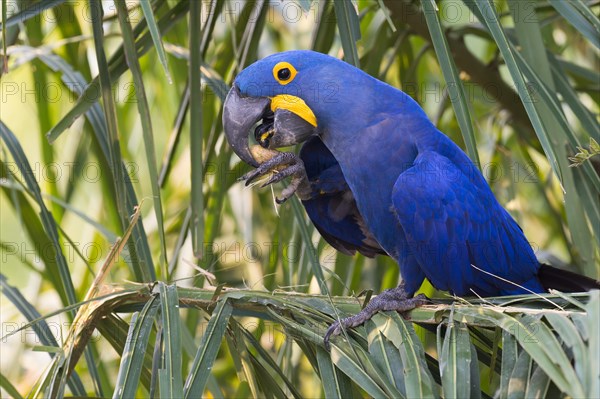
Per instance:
{"type": "Point", "coordinates": [109, 105]}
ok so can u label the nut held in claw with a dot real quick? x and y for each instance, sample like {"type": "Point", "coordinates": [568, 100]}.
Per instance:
{"type": "Point", "coordinates": [261, 154]}
{"type": "Point", "coordinates": [275, 166]}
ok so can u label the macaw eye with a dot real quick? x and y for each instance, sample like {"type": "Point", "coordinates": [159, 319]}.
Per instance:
{"type": "Point", "coordinates": [284, 72]}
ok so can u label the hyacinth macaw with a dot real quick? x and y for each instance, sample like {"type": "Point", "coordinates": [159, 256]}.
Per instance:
{"type": "Point", "coordinates": [376, 176]}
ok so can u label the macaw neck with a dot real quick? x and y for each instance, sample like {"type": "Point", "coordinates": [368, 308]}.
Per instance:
{"type": "Point", "coordinates": [362, 102]}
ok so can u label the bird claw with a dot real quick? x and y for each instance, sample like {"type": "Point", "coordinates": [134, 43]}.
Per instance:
{"type": "Point", "coordinates": [293, 166]}
{"type": "Point", "coordinates": [392, 299]}
{"type": "Point", "coordinates": [333, 330]}
{"type": "Point", "coordinates": [281, 159]}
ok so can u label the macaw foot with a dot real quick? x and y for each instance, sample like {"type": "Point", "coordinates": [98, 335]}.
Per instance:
{"type": "Point", "coordinates": [393, 299]}
{"type": "Point", "coordinates": [284, 164]}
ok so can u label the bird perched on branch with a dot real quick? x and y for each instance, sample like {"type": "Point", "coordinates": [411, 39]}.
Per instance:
{"type": "Point", "coordinates": [376, 176]}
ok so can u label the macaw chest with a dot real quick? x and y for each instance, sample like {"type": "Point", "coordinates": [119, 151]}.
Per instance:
{"type": "Point", "coordinates": [371, 177]}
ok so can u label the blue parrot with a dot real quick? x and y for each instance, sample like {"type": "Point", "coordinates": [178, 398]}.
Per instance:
{"type": "Point", "coordinates": [376, 176]}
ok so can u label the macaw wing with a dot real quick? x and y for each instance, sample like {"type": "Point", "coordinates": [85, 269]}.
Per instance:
{"type": "Point", "coordinates": [332, 207]}
{"type": "Point", "coordinates": [453, 223]}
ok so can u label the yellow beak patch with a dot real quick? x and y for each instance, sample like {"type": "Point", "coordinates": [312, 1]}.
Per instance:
{"type": "Point", "coordinates": [294, 104]}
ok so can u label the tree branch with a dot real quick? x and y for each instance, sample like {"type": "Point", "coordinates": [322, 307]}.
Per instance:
{"type": "Point", "coordinates": [486, 76]}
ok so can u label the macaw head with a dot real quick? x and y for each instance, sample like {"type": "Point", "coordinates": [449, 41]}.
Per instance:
{"type": "Point", "coordinates": [294, 94]}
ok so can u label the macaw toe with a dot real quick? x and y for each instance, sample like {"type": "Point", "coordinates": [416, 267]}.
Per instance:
{"type": "Point", "coordinates": [392, 299]}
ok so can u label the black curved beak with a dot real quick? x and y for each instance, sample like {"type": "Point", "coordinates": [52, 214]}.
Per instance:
{"type": "Point", "coordinates": [239, 116]}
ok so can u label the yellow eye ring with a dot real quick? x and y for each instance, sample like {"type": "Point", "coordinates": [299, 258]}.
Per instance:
{"type": "Point", "coordinates": [284, 72]}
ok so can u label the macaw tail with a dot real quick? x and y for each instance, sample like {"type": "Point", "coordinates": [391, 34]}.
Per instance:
{"type": "Point", "coordinates": [564, 280]}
